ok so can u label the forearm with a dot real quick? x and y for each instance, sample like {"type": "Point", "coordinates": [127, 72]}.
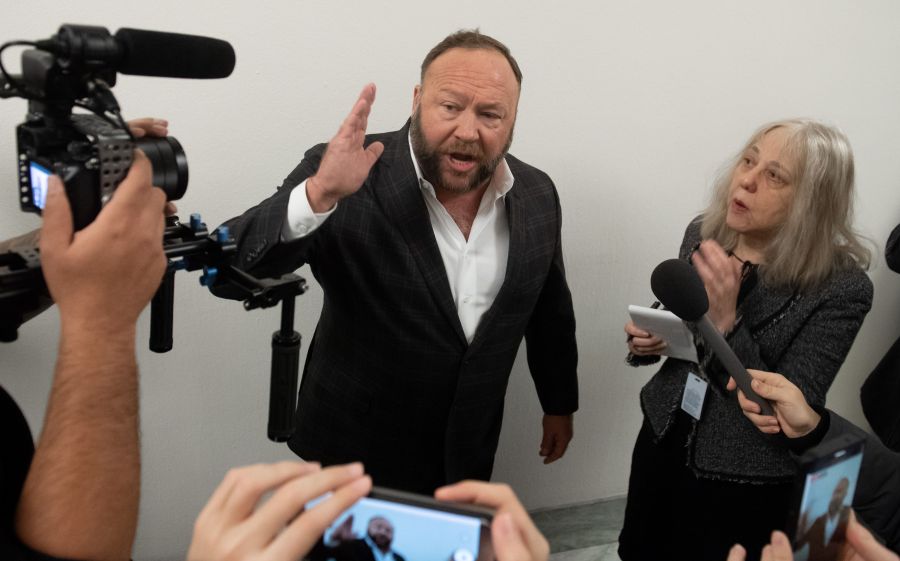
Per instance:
{"type": "Point", "coordinates": [263, 250]}
{"type": "Point", "coordinates": [80, 499]}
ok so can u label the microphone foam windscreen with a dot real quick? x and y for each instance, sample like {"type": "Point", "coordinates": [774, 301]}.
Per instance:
{"type": "Point", "coordinates": [679, 288]}
{"type": "Point", "coordinates": [173, 55]}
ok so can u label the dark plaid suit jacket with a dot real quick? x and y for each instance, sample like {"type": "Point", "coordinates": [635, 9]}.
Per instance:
{"type": "Point", "coordinates": [390, 378]}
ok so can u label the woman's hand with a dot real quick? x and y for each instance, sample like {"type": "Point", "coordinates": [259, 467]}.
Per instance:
{"type": "Point", "coordinates": [721, 275]}
{"type": "Point", "coordinates": [643, 343]}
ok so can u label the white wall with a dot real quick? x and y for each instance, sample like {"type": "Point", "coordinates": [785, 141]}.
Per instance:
{"type": "Point", "coordinates": [629, 106]}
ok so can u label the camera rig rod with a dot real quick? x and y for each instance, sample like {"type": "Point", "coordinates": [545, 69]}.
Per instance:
{"type": "Point", "coordinates": [191, 247]}
{"type": "Point", "coordinates": [23, 294]}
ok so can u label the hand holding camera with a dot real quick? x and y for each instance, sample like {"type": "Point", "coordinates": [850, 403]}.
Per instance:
{"type": "Point", "coordinates": [117, 259]}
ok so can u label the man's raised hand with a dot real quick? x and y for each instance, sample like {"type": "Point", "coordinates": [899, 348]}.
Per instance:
{"type": "Point", "coordinates": [347, 161]}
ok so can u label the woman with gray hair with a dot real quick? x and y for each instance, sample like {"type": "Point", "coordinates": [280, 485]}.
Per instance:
{"type": "Point", "coordinates": [783, 269]}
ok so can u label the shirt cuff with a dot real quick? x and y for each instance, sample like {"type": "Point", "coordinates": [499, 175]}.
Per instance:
{"type": "Point", "coordinates": [301, 220]}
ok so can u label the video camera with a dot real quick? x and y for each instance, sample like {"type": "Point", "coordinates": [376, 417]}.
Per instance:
{"type": "Point", "coordinates": [92, 152]}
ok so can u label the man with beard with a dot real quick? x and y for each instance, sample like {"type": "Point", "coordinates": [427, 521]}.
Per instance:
{"type": "Point", "coordinates": [345, 546]}
{"type": "Point", "coordinates": [437, 253]}
{"type": "Point", "coordinates": [826, 534]}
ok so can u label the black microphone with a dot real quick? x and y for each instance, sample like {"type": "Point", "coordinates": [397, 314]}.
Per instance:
{"type": "Point", "coordinates": [678, 286]}
{"type": "Point", "coordinates": [173, 55]}
{"type": "Point", "coordinates": [143, 53]}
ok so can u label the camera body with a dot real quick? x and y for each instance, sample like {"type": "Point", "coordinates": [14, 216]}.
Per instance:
{"type": "Point", "coordinates": [90, 152]}
{"type": "Point", "coordinates": [90, 155]}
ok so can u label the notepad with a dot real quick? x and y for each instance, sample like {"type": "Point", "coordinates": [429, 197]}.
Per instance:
{"type": "Point", "coordinates": [668, 327]}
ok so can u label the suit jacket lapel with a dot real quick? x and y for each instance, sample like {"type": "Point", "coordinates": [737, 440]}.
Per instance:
{"type": "Point", "coordinates": [398, 191]}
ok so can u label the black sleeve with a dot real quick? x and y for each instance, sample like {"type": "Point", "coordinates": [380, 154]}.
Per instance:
{"type": "Point", "coordinates": [802, 444]}
{"type": "Point", "coordinates": [17, 451]}
{"type": "Point", "coordinates": [880, 395]}
{"type": "Point", "coordinates": [551, 347]}
{"type": "Point", "coordinates": [257, 231]}
{"type": "Point", "coordinates": [11, 549]}
{"type": "Point", "coordinates": [892, 250]}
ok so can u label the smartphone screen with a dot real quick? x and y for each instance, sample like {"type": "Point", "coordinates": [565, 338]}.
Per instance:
{"type": "Point", "coordinates": [39, 178]}
{"type": "Point", "coordinates": [392, 526]}
{"type": "Point", "coordinates": [828, 477]}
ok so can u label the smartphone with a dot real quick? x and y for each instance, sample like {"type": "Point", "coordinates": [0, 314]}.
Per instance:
{"type": "Point", "coordinates": [408, 526]}
{"type": "Point", "coordinates": [823, 494]}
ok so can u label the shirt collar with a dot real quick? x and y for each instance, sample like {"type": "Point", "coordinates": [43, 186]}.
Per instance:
{"type": "Point", "coordinates": [501, 182]}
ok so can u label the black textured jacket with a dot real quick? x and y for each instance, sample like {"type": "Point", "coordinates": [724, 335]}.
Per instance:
{"type": "Point", "coordinates": [804, 336]}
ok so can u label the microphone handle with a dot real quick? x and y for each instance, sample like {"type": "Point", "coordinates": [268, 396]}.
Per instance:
{"type": "Point", "coordinates": [731, 363]}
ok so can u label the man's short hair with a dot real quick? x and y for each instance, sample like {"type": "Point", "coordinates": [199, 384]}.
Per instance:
{"type": "Point", "coordinates": [470, 39]}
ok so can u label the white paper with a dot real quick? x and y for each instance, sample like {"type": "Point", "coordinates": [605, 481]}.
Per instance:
{"type": "Point", "coordinates": [668, 327]}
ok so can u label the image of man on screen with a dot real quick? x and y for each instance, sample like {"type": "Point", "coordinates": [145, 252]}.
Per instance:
{"type": "Point", "coordinates": [375, 546]}
{"type": "Point", "coordinates": [826, 534]}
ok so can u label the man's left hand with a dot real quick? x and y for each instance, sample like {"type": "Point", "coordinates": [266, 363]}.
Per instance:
{"type": "Point", "coordinates": [558, 430]}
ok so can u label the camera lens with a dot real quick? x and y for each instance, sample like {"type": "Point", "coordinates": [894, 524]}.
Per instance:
{"type": "Point", "coordinates": [170, 169]}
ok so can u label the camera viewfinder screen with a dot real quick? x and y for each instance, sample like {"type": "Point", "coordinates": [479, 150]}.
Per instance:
{"type": "Point", "coordinates": [405, 532]}
{"type": "Point", "coordinates": [40, 176]}
{"type": "Point", "coordinates": [825, 507]}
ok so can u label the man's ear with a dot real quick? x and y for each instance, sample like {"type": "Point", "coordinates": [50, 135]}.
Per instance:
{"type": "Point", "coordinates": [417, 96]}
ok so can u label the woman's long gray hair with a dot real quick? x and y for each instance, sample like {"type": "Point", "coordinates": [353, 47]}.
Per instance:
{"type": "Point", "coordinates": [817, 236]}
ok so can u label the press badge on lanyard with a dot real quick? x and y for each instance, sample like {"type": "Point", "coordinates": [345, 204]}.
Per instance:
{"type": "Point", "coordinates": [694, 394]}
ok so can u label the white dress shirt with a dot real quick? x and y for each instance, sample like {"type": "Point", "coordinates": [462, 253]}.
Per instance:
{"type": "Point", "coordinates": [475, 267]}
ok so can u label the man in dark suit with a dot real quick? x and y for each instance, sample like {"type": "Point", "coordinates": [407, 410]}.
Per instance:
{"type": "Point", "coordinates": [375, 546]}
{"type": "Point", "coordinates": [437, 252]}
{"type": "Point", "coordinates": [827, 533]}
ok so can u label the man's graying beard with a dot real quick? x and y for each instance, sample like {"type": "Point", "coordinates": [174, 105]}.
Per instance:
{"type": "Point", "coordinates": [429, 158]}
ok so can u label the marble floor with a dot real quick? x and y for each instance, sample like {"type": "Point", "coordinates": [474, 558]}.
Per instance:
{"type": "Point", "coordinates": [586, 532]}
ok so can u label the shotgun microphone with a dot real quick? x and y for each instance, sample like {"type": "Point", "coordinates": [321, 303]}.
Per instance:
{"type": "Point", "coordinates": [142, 53]}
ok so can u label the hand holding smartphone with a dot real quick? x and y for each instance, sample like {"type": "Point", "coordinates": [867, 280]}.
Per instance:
{"type": "Point", "coordinates": [824, 492]}
{"type": "Point", "coordinates": [297, 510]}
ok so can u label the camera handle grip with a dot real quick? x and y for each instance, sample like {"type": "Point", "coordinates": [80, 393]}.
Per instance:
{"type": "Point", "coordinates": [161, 313]}
{"type": "Point", "coordinates": [283, 384]}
